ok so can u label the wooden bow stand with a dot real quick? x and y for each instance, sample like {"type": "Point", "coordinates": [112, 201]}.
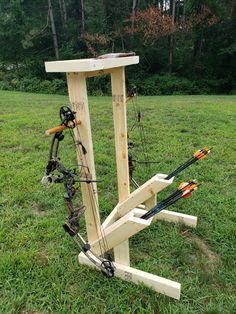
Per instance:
{"type": "Point", "coordinates": [124, 221]}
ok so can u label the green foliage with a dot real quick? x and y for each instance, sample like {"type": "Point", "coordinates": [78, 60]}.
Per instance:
{"type": "Point", "coordinates": [101, 85]}
{"type": "Point", "coordinates": [33, 85]}
{"type": "Point", "coordinates": [167, 85]}
{"type": "Point", "coordinates": [203, 48]}
{"type": "Point", "coordinates": [174, 85]}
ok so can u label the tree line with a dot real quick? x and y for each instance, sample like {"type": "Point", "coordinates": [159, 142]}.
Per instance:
{"type": "Point", "coordinates": [185, 46]}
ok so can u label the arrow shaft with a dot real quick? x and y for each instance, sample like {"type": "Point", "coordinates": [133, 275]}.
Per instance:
{"type": "Point", "coordinates": [181, 168]}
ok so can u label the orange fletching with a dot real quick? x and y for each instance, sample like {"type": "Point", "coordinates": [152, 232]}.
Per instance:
{"type": "Point", "coordinates": [201, 154]}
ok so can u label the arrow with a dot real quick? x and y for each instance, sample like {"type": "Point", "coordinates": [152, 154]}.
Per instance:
{"type": "Point", "coordinates": [184, 190]}
{"type": "Point", "coordinates": [200, 154]}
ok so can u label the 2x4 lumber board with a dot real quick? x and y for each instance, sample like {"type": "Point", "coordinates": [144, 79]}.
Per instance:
{"type": "Point", "coordinates": [121, 252]}
{"type": "Point", "coordinates": [175, 217]}
{"type": "Point", "coordinates": [97, 73]}
{"type": "Point", "coordinates": [111, 218]}
{"type": "Point", "coordinates": [159, 284]}
{"type": "Point", "coordinates": [87, 65]}
{"type": "Point", "coordinates": [120, 129]}
{"type": "Point", "coordinates": [166, 215]}
{"type": "Point", "coordinates": [151, 202]}
{"type": "Point", "coordinates": [171, 216]}
{"type": "Point", "coordinates": [114, 215]}
{"type": "Point", "coordinates": [122, 230]}
{"type": "Point", "coordinates": [143, 193]}
{"type": "Point", "coordinates": [79, 103]}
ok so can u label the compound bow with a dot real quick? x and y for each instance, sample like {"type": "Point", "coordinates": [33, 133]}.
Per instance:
{"type": "Point", "coordinates": [198, 155]}
{"type": "Point", "coordinates": [137, 124]}
{"type": "Point", "coordinates": [56, 172]}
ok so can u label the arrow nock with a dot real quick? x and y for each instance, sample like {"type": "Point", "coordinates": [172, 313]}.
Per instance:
{"type": "Point", "coordinates": [188, 192]}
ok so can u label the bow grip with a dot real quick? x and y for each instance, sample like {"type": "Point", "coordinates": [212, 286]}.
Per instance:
{"type": "Point", "coordinates": [59, 128]}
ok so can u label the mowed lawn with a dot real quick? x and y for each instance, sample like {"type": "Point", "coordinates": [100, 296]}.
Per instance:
{"type": "Point", "coordinates": [39, 272]}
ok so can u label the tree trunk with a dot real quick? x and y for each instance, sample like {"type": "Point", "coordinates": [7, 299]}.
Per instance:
{"type": "Point", "coordinates": [63, 12]}
{"type": "Point", "coordinates": [54, 34]}
{"type": "Point", "coordinates": [161, 7]}
{"type": "Point", "coordinates": [165, 7]}
{"type": "Point", "coordinates": [82, 15]}
{"type": "Point", "coordinates": [171, 47]}
{"type": "Point", "coordinates": [177, 11]}
{"type": "Point", "coordinates": [133, 14]}
{"type": "Point", "coordinates": [197, 44]}
{"type": "Point", "coordinates": [184, 11]}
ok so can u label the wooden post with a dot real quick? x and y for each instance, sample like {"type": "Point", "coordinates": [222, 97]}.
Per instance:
{"type": "Point", "coordinates": [79, 103]}
{"type": "Point", "coordinates": [121, 252]}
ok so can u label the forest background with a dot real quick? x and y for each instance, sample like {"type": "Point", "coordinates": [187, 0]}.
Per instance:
{"type": "Point", "coordinates": [185, 46]}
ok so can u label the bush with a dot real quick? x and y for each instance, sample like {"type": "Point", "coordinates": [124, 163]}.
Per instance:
{"type": "Point", "coordinates": [173, 85]}
{"type": "Point", "coordinates": [101, 85]}
{"type": "Point", "coordinates": [167, 85]}
{"type": "Point", "coordinates": [55, 86]}
{"type": "Point", "coordinates": [32, 84]}
{"type": "Point", "coordinates": [214, 86]}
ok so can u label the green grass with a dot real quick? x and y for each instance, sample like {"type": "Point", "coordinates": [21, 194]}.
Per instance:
{"type": "Point", "coordinates": [38, 265]}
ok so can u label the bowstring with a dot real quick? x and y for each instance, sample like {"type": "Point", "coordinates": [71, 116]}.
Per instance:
{"type": "Point", "coordinates": [103, 245]}
{"type": "Point", "coordinates": [139, 125]}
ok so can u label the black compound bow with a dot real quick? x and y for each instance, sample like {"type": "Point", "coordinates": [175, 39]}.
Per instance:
{"type": "Point", "coordinates": [56, 172]}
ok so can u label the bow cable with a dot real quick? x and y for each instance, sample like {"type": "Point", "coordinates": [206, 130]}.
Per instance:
{"type": "Point", "coordinates": [138, 124]}
{"type": "Point", "coordinates": [92, 192]}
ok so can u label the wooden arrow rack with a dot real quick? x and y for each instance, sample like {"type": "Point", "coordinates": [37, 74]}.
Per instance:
{"type": "Point", "coordinates": [124, 220]}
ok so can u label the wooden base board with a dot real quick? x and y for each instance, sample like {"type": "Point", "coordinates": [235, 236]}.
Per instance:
{"type": "Point", "coordinates": [159, 284]}
{"type": "Point", "coordinates": [176, 217]}
{"type": "Point", "coordinates": [166, 215]}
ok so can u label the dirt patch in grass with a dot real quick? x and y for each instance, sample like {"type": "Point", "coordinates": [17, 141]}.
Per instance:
{"type": "Point", "coordinates": [29, 312]}
{"type": "Point", "coordinates": [41, 258]}
{"type": "Point", "coordinates": [212, 259]}
{"type": "Point", "coordinates": [20, 148]}
{"type": "Point", "coordinates": [37, 211]}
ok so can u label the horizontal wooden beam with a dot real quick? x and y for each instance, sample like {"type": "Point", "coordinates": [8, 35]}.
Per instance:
{"type": "Point", "coordinates": [159, 284]}
{"type": "Point", "coordinates": [175, 217]}
{"type": "Point", "coordinates": [122, 230]}
{"type": "Point", "coordinates": [166, 215]}
{"type": "Point", "coordinates": [89, 65]}
{"type": "Point", "coordinates": [97, 73]}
